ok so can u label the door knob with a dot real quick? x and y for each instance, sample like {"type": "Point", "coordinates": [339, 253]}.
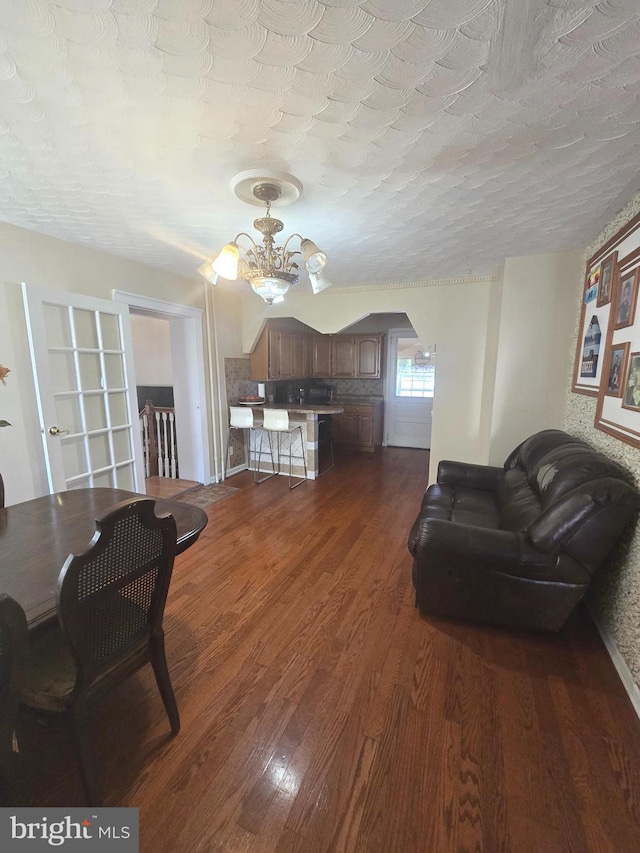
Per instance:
{"type": "Point", "coordinates": [53, 430]}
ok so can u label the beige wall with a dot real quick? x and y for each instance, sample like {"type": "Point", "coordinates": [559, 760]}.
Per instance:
{"type": "Point", "coordinates": [454, 314]}
{"type": "Point", "coordinates": [482, 408]}
{"type": "Point", "coordinates": [151, 350]}
{"type": "Point", "coordinates": [45, 261]}
{"type": "Point", "coordinates": [615, 593]}
{"type": "Point", "coordinates": [537, 318]}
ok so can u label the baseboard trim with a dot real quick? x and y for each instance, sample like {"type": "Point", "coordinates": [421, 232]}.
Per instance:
{"type": "Point", "coordinates": [619, 662]}
{"type": "Point", "coordinates": [235, 470]}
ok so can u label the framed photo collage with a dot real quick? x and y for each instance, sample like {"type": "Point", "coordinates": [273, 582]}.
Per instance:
{"type": "Point", "coordinates": [607, 363]}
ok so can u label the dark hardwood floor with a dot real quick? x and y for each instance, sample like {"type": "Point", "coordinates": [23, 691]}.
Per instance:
{"type": "Point", "coordinates": [320, 712]}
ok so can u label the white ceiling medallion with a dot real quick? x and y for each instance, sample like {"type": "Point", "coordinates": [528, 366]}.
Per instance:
{"type": "Point", "coordinates": [244, 185]}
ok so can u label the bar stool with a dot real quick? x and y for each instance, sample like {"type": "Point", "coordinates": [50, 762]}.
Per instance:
{"type": "Point", "coordinates": [325, 439]}
{"type": "Point", "coordinates": [241, 418]}
{"type": "Point", "coordinates": [277, 421]}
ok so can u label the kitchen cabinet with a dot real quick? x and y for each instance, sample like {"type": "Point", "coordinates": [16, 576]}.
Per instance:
{"type": "Point", "coordinates": [343, 356]}
{"type": "Point", "coordinates": [356, 356]}
{"type": "Point", "coordinates": [359, 426]}
{"type": "Point", "coordinates": [368, 356]}
{"type": "Point", "coordinates": [321, 356]}
{"type": "Point", "coordinates": [283, 364]}
{"type": "Point", "coordinates": [299, 356]}
{"type": "Point", "coordinates": [280, 355]}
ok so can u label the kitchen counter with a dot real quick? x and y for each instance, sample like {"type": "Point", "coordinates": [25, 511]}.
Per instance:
{"type": "Point", "coordinates": [307, 414]}
{"type": "Point", "coordinates": [302, 408]}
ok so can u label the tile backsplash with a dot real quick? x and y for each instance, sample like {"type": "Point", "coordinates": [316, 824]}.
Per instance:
{"type": "Point", "coordinates": [357, 387]}
{"type": "Point", "coordinates": [341, 387]}
{"type": "Point", "coordinates": [238, 383]}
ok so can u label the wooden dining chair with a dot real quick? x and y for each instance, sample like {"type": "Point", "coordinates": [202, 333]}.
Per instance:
{"type": "Point", "coordinates": [13, 655]}
{"type": "Point", "coordinates": [110, 602]}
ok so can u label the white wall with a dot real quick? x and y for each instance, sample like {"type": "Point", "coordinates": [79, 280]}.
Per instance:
{"type": "Point", "coordinates": [537, 318]}
{"type": "Point", "coordinates": [151, 350]}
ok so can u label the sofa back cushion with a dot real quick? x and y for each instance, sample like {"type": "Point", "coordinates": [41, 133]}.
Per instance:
{"type": "Point", "coordinates": [568, 467]}
{"type": "Point", "coordinates": [519, 504]}
{"type": "Point", "coordinates": [553, 484]}
{"type": "Point", "coordinates": [532, 450]}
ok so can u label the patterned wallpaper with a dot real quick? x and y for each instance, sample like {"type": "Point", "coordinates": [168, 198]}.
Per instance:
{"type": "Point", "coordinates": [615, 592]}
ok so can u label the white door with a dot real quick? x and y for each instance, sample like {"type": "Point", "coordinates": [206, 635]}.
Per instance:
{"type": "Point", "coordinates": [82, 363]}
{"type": "Point", "coordinates": [409, 391]}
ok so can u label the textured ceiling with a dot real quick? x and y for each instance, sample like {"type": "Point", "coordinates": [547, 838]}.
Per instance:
{"type": "Point", "coordinates": [433, 137]}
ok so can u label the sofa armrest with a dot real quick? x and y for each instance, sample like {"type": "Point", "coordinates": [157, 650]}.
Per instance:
{"type": "Point", "coordinates": [484, 477]}
{"type": "Point", "coordinates": [460, 548]}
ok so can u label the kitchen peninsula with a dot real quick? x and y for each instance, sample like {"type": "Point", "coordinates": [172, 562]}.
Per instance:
{"type": "Point", "coordinates": [308, 414]}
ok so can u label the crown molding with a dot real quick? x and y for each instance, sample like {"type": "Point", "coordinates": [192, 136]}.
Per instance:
{"type": "Point", "coordinates": [436, 282]}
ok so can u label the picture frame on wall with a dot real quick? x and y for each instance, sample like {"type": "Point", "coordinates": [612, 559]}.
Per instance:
{"type": "Point", "coordinates": [626, 299]}
{"type": "Point", "coordinates": [618, 404]}
{"type": "Point", "coordinates": [631, 398]}
{"type": "Point", "coordinates": [591, 349]}
{"type": "Point", "coordinates": [607, 279]}
{"type": "Point", "coordinates": [594, 320]}
{"type": "Point", "coordinates": [617, 369]}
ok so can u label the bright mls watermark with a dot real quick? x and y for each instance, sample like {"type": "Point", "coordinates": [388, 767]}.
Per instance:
{"type": "Point", "coordinates": [80, 829]}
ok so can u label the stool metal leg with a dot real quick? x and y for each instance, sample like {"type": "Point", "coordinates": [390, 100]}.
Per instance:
{"type": "Point", "coordinates": [329, 467]}
{"type": "Point", "coordinates": [303, 454]}
{"type": "Point", "coordinates": [256, 478]}
{"type": "Point", "coordinates": [225, 461]}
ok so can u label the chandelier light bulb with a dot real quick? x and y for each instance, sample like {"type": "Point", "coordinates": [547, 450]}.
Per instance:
{"type": "Point", "coordinates": [313, 257]}
{"type": "Point", "coordinates": [318, 282]}
{"type": "Point", "coordinates": [226, 264]}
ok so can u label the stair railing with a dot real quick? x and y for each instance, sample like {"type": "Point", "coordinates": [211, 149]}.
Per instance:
{"type": "Point", "coordinates": [157, 426]}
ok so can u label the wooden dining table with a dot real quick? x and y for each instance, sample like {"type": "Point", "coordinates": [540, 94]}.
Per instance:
{"type": "Point", "coordinates": [37, 536]}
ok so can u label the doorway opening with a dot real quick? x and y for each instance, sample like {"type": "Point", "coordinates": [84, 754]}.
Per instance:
{"type": "Point", "coordinates": [409, 389]}
{"type": "Point", "coordinates": [179, 328]}
{"type": "Point", "coordinates": [158, 426]}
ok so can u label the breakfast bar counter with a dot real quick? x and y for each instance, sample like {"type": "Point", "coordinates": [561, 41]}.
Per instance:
{"type": "Point", "coordinates": [301, 408]}
{"type": "Point", "coordinates": [309, 414]}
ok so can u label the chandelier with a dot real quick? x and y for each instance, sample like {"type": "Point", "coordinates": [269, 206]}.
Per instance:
{"type": "Point", "coordinates": [270, 270]}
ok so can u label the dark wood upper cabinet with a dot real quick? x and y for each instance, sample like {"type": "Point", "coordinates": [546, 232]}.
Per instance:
{"type": "Point", "coordinates": [343, 356]}
{"type": "Point", "coordinates": [368, 356]}
{"type": "Point", "coordinates": [299, 356]}
{"type": "Point", "coordinates": [285, 348]}
{"type": "Point", "coordinates": [321, 356]}
{"type": "Point", "coordinates": [295, 355]}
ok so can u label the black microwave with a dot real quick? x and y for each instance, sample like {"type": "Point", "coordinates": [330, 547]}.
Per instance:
{"type": "Point", "coordinates": [319, 394]}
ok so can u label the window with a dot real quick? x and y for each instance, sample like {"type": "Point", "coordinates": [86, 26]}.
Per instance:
{"type": "Point", "coordinates": [415, 369]}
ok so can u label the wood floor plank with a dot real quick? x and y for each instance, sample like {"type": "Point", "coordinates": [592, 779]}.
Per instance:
{"type": "Point", "coordinates": [322, 714]}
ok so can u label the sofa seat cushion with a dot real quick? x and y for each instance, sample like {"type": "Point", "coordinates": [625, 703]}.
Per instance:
{"type": "Point", "coordinates": [459, 504]}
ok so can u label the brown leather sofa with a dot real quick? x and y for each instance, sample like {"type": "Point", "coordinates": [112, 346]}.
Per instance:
{"type": "Point", "coordinates": [519, 545]}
